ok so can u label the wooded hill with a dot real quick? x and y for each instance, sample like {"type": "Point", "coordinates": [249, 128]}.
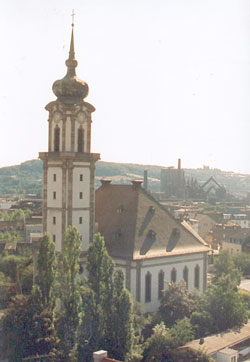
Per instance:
{"type": "Point", "coordinates": [27, 177]}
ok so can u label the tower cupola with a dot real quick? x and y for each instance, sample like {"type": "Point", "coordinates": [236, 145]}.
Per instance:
{"type": "Point", "coordinates": [70, 89]}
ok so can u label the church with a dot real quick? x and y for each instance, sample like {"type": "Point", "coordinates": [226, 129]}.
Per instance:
{"type": "Point", "coordinates": [142, 237]}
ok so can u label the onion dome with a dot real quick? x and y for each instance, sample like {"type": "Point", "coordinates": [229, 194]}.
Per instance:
{"type": "Point", "coordinates": [70, 89]}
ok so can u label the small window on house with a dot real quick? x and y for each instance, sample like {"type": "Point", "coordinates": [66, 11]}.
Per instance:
{"type": "Point", "coordinates": [54, 238]}
{"type": "Point", "coordinates": [80, 195]}
{"type": "Point", "coordinates": [54, 177]}
{"type": "Point", "coordinates": [81, 177]}
{"type": "Point", "coordinates": [80, 141]}
{"type": "Point", "coordinates": [57, 139]}
{"type": "Point", "coordinates": [54, 195]}
{"type": "Point", "coordinates": [148, 278]}
{"type": "Point", "coordinates": [185, 275]}
{"type": "Point", "coordinates": [173, 275]}
{"type": "Point", "coordinates": [54, 220]}
{"type": "Point", "coordinates": [80, 220]}
{"type": "Point", "coordinates": [160, 284]}
{"type": "Point", "coordinates": [197, 277]}
{"type": "Point", "coordinates": [81, 237]}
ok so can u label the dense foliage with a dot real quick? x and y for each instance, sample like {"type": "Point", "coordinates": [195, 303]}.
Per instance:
{"type": "Point", "coordinates": [33, 315]}
{"type": "Point", "coordinates": [69, 294]}
{"type": "Point", "coordinates": [177, 303]}
{"type": "Point", "coordinates": [107, 305]}
{"type": "Point", "coordinates": [67, 318]}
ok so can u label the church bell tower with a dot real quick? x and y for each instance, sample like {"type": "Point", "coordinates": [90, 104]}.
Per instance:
{"type": "Point", "coordinates": [69, 165]}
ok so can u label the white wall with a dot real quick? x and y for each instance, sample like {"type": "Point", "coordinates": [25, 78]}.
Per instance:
{"type": "Point", "coordinates": [154, 266]}
{"type": "Point", "coordinates": [225, 357]}
{"type": "Point", "coordinates": [83, 228]}
{"type": "Point", "coordinates": [81, 186]}
{"type": "Point", "coordinates": [54, 186]}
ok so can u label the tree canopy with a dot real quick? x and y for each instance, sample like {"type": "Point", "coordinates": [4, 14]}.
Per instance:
{"type": "Point", "coordinates": [177, 302]}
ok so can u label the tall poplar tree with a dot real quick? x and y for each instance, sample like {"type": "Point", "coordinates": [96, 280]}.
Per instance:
{"type": "Point", "coordinates": [46, 272]}
{"type": "Point", "coordinates": [69, 294]}
{"type": "Point", "coordinates": [107, 305]}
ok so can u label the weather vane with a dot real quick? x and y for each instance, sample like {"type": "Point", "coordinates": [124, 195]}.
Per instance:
{"type": "Point", "coordinates": [73, 16]}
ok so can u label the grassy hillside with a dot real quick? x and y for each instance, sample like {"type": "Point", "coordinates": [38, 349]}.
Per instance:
{"type": "Point", "coordinates": [27, 177]}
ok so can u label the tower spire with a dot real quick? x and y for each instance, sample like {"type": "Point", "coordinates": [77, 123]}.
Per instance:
{"type": "Point", "coordinates": [72, 47]}
{"type": "Point", "coordinates": [70, 89]}
{"type": "Point", "coordinates": [71, 62]}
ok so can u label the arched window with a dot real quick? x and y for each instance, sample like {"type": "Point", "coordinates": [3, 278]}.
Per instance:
{"type": "Point", "coordinates": [185, 275]}
{"type": "Point", "coordinates": [80, 140]}
{"type": "Point", "coordinates": [160, 284]}
{"type": "Point", "coordinates": [57, 139]}
{"type": "Point", "coordinates": [148, 278]}
{"type": "Point", "coordinates": [197, 277]}
{"type": "Point", "coordinates": [173, 275]}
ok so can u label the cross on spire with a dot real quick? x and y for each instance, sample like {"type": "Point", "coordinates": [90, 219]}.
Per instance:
{"type": "Point", "coordinates": [73, 17]}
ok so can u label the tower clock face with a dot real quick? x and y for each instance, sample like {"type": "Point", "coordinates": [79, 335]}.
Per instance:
{"type": "Point", "coordinates": [57, 117]}
{"type": "Point", "coordinates": [81, 117]}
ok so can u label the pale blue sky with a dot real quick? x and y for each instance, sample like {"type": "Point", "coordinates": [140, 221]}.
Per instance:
{"type": "Point", "coordinates": [168, 78]}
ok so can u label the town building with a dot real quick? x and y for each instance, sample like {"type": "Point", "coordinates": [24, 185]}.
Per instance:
{"type": "Point", "coordinates": [227, 346]}
{"type": "Point", "coordinates": [173, 182]}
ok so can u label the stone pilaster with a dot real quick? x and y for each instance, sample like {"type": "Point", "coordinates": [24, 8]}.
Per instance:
{"type": "Point", "coordinates": [70, 192]}
{"type": "Point", "coordinates": [92, 202]}
{"type": "Point", "coordinates": [45, 189]}
{"type": "Point", "coordinates": [64, 196]}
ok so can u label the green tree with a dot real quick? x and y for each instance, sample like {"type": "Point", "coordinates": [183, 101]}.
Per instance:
{"type": "Point", "coordinates": [33, 316]}
{"type": "Point", "coordinates": [46, 272]}
{"type": "Point", "coordinates": [177, 303]}
{"type": "Point", "coordinates": [224, 265]}
{"type": "Point", "coordinates": [242, 263]}
{"type": "Point", "coordinates": [107, 305]}
{"type": "Point", "coordinates": [122, 317]}
{"type": "Point", "coordinates": [182, 332]}
{"type": "Point", "coordinates": [190, 355]}
{"type": "Point", "coordinates": [222, 308]}
{"type": "Point", "coordinates": [159, 346]}
{"type": "Point", "coordinates": [13, 266]}
{"type": "Point", "coordinates": [69, 294]}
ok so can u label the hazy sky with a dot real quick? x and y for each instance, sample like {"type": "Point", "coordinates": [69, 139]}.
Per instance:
{"type": "Point", "coordinates": [168, 78]}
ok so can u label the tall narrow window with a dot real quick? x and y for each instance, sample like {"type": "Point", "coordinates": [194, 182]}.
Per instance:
{"type": "Point", "coordinates": [54, 220]}
{"type": "Point", "coordinates": [57, 139]}
{"type": "Point", "coordinates": [54, 195]}
{"type": "Point", "coordinates": [80, 195]}
{"type": "Point", "coordinates": [54, 238]}
{"type": "Point", "coordinates": [80, 140]}
{"type": "Point", "coordinates": [173, 275]}
{"type": "Point", "coordinates": [148, 287]}
{"type": "Point", "coordinates": [197, 277]}
{"type": "Point", "coordinates": [80, 220]}
{"type": "Point", "coordinates": [185, 275]}
{"type": "Point", "coordinates": [81, 177]}
{"type": "Point", "coordinates": [54, 177]}
{"type": "Point", "coordinates": [160, 284]}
